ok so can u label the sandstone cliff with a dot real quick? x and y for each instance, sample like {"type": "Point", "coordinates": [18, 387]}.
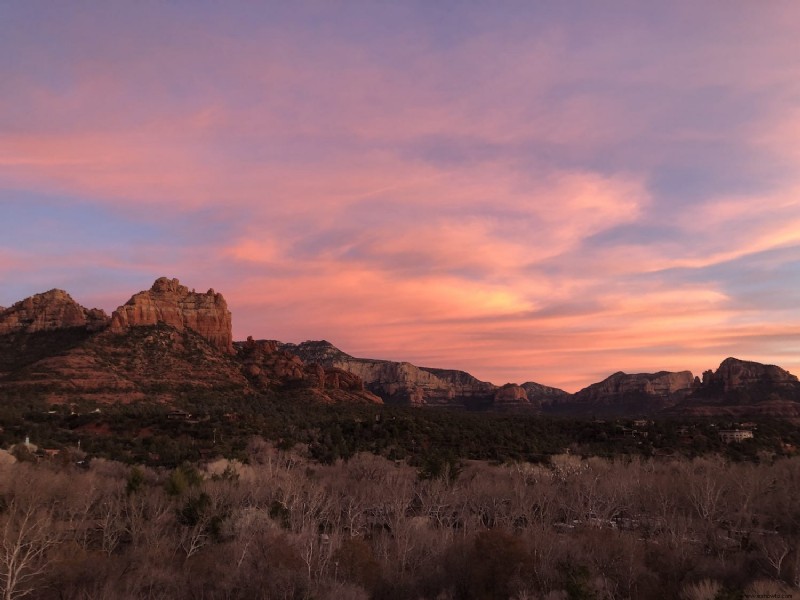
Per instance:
{"type": "Point", "coordinates": [663, 385]}
{"type": "Point", "coordinates": [169, 302]}
{"type": "Point", "coordinates": [49, 311]}
{"type": "Point", "coordinates": [544, 395]}
{"type": "Point", "coordinates": [626, 394]}
{"type": "Point", "coordinates": [735, 374]}
{"type": "Point", "coordinates": [513, 397]}
{"type": "Point", "coordinates": [267, 365]}
{"type": "Point", "coordinates": [395, 382]}
{"type": "Point", "coordinates": [740, 387]}
{"type": "Point", "coordinates": [164, 344]}
{"type": "Point", "coordinates": [169, 343]}
{"type": "Point", "coordinates": [406, 384]}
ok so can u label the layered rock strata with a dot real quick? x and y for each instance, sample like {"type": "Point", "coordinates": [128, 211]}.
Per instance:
{"type": "Point", "coordinates": [396, 382]}
{"type": "Point", "coordinates": [544, 395]}
{"type": "Point", "coordinates": [406, 384]}
{"type": "Point", "coordinates": [267, 365]}
{"type": "Point", "coordinates": [513, 397]}
{"type": "Point", "coordinates": [49, 311]}
{"type": "Point", "coordinates": [734, 374]}
{"type": "Point", "coordinates": [169, 302]}
{"type": "Point", "coordinates": [664, 385]}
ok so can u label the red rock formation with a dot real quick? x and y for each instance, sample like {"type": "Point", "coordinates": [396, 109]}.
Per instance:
{"type": "Point", "coordinates": [512, 396]}
{"type": "Point", "coordinates": [658, 385]}
{"type": "Point", "coordinates": [172, 303]}
{"type": "Point", "coordinates": [400, 382]}
{"type": "Point", "coordinates": [734, 374]}
{"type": "Point", "coordinates": [339, 379]}
{"type": "Point", "coordinates": [544, 395]}
{"type": "Point", "coordinates": [266, 364]}
{"type": "Point", "coordinates": [48, 311]}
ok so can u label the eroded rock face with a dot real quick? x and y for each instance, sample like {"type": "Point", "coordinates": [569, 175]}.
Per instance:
{"type": "Point", "coordinates": [512, 396]}
{"type": "Point", "coordinates": [407, 384]}
{"type": "Point", "coordinates": [49, 311]}
{"type": "Point", "coordinates": [266, 364]}
{"type": "Point", "coordinates": [735, 374]}
{"type": "Point", "coordinates": [395, 382]}
{"type": "Point", "coordinates": [158, 364]}
{"type": "Point", "coordinates": [662, 385]}
{"type": "Point", "coordinates": [169, 302]}
{"type": "Point", "coordinates": [544, 395]}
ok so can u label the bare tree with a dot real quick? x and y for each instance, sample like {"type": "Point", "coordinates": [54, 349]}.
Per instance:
{"type": "Point", "coordinates": [28, 535]}
{"type": "Point", "coordinates": [111, 523]}
{"type": "Point", "coordinates": [774, 548]}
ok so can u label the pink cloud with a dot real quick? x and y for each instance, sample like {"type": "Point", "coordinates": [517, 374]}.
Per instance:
{"type": "Point", "coordinates": [429, 202]}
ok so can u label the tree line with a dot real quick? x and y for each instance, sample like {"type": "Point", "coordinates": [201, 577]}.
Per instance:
{"type": "Point", "coordinates": [280, 524]}
{"type": "Point", "coordinates": [146, 432]}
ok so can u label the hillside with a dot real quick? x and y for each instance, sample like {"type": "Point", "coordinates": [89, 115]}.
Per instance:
{"type": "Point", "coordinates": [166, 344]}
{"type": "Point", "coordinates": [402, 383]}
{"type": "Point", "coordinates": [169, 344]}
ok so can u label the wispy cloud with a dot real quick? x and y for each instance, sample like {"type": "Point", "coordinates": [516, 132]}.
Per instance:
{"type": "Point", "coordinates": [544, 192]}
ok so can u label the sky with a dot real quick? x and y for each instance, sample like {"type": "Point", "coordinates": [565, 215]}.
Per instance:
{"type": "Point", "coordinates": [528, 191]}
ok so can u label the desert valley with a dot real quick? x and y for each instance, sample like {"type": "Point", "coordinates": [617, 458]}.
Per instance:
{"type": "Point", "coordinates": [148, 454]}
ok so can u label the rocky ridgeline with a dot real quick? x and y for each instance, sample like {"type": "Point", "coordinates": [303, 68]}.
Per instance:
{"type": "Point", "coordinates": [545, 395]}
{"type": "Point", "coordinates": [162, 344]}
{"type": "Point", "coordinates": [664, 385]}
{"type": "Point", "coordinates": [737, 387]}
{"type": "Point", "coordinates": [395, 382]}
{"type": "Point", "coordinates": [406, 384]}
{"type": "Point", "coordinates": [267, 365]}
{"type": "Point", "coordinates": [735, 374]}
{"type": "Point", "coordinates": [169, 302]}
{"type": "Point", "coordinates": [176, 340]}
{"type": "Point", "coordinates": [50, 311]}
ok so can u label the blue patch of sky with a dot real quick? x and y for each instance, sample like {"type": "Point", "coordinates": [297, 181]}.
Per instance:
{"type": "Point", "coordinates": [759, 281]}
{"type": "Point", "coordinates": [34, 221]}
{"type": "Point", "coordinates": [637, 234]}
{"type": "Point", "coordinates": [329, 241]}
{"type": "Point", "coordinates": [43, 223]}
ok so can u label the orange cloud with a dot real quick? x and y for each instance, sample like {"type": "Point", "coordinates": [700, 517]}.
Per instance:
{"type": "Point", "coordinates": [459, 203]}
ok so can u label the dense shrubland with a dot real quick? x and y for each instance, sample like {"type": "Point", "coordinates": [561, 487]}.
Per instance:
{"type": "Point", "coordinates": [286, 526]}
{"type": "Point", "coordinates": [143, 432]}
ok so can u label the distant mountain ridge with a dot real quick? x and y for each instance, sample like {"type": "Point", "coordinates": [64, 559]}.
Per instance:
{"type": "Point", "coordinates": [736, 388]}
{"type": "Point", "coordinates": [406, 384]}
{"type": "Point", "coordinates": [168, 343]}
{"type": "Point", "coordinates": [165, 344]}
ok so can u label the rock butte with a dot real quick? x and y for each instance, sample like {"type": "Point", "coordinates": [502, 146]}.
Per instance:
{"type": "Point", "coordinates": [49, 311]}
{"type": "Point", "coordinates": [164, 343]}
{"type": "Point", "coordinates": [734, 373]}
{"type": "Point", "coordinates": [113, 358]}
{"type": "Point", "coordinates": [169, 302]}
{"type": "Point", "coordinates": [664, 384]}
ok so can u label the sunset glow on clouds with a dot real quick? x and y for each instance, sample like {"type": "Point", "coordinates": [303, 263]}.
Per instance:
{"type": "Point", "coordinates": [546, 193]}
